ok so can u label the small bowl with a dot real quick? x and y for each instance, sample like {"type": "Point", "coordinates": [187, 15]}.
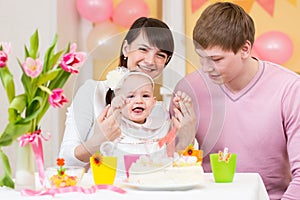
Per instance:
{"type": "Point", "coordinates": [71, 177]}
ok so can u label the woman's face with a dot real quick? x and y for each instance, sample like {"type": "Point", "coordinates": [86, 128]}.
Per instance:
{"type": "Point", "coordinates": [141, 56]}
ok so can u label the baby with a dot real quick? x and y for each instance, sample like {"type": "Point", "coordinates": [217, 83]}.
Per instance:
{"type": "Point", "coordinates": [141, 132]}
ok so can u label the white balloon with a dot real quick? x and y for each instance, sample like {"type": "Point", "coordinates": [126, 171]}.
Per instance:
{"type": "Point", "coordinates": [104, 41]}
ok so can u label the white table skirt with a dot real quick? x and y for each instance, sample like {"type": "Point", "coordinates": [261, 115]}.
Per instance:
{"type": "Point", "coordinates": [246, 186]}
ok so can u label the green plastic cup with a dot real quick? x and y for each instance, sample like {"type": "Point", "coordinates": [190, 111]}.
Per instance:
{"type": "Point", "coordinates": [223, 171]}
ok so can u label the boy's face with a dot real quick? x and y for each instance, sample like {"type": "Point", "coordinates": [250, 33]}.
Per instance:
{"type": "Point", "coordinates": [222, 67]}
{"type": "Point", "coordinates": [139, 97]}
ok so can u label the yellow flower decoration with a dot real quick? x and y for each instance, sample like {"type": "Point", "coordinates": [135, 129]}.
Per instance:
{"type": "Point", "coordinates": [96, 159]}
{"type": "Point", "coordinates": [191, 151]}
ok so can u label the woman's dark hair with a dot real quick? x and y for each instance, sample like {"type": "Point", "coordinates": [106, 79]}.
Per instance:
{"type": "Point", "coordinates": [157, 32]}
{"type": "Point", "coordinates": [109, 96]}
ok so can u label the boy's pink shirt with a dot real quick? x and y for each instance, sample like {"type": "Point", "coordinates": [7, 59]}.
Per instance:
{"type": "Point", "coordinates": [261, 124]}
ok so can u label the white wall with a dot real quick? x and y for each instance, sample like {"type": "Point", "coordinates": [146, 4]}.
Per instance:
{"type": "Point", "coordinates": [173, 15]}
{"type": "Point", "coordinates": [19, 19]}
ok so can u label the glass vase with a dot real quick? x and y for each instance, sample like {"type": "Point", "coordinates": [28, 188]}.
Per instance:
{"type": "Point", "coordinates": [25, 178]}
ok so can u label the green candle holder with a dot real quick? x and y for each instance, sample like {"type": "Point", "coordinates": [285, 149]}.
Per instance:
{"type": "Point", "coordinates": [223, 171]}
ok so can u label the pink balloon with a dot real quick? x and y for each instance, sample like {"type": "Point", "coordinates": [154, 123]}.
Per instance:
{"type": "Point", "coordinates": [128, 11]}
{"type": "Point", "coordinates": [274, 46]}
{"type": "Point", "coordinates": [254, 53]}
{"type": "Point", "coordinates": [95, 10]}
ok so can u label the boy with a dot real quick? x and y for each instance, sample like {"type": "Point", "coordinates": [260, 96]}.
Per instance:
{"type": "Point", "coordinates": [252, 107]}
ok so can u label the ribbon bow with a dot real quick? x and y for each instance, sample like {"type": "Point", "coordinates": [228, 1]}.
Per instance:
{"type": "Point", "coordinates": [35, 139]}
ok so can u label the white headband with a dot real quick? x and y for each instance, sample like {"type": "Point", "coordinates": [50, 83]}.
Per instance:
{"type": "Point", "coordinates": [115, 78]}
{"type": "Point", "coordinates": [132, 73]}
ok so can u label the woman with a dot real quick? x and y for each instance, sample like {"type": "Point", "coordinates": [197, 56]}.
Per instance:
{"type": "Point", "coordinates": [147, 47]}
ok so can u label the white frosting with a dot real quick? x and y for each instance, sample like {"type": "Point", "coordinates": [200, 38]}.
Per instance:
{"type": "Point", "coordinates": [187, 159]}
{"type": "Point", "coordinates": [160, 172]}
{"type": "Point", "coordinates": [148, 164]}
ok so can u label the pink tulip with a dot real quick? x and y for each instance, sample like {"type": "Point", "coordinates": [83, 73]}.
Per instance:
{"type": "Point", "coordinates": [4, 51]}
{"type": "Point", "coordinates": [57, 98]}
{"type": "Point", "coordinates": [3, 59]}
{"type": "Point", "coordinates": [73, 60]}
{"type": "Point", "coordinates": [32, 67]}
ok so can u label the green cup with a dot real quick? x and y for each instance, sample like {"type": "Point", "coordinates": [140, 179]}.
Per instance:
{"type": "Point", "coordinates": [223, 171]}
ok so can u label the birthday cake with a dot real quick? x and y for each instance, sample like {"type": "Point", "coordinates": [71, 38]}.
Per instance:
{"type": "Point", "coordinates": [184, 169]}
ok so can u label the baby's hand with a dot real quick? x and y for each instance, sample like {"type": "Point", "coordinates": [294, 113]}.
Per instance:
{"type": "Point", "coordinates": [117, 103]}
{"type": "Point", "coordinates": [184, 119]}
{"type": "Point", "coordinates": [181, 100]}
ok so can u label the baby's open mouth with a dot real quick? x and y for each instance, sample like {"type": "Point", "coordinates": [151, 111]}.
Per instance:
{"type": "Point", "coordinates": [138, 109]}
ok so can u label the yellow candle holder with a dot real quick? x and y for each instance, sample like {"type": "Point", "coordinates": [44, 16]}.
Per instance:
{"type": "Point", "coordinates": [103, 169]}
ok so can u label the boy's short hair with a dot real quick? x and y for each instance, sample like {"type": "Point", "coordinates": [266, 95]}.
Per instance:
{"type": "Point", "coordinates": [223, 24]}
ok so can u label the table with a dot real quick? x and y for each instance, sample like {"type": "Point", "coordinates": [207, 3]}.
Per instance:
{"type": "Point", "coordinates": [246, 186]}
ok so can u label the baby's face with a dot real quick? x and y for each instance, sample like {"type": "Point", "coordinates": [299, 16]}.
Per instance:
{"type": "Point", "coordinates": [139, 97]}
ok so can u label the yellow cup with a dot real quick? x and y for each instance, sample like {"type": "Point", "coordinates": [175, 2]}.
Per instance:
{"type": "Point", "coordinates": [105, 172]}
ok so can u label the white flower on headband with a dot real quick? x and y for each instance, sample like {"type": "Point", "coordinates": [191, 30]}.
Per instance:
{"type": "Point", "coordinates": [114, 77]}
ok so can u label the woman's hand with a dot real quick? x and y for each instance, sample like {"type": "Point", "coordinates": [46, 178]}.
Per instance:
{"type": "Point", "coordinates": [184, 120]}
{"type": "Point", "coordinates": [109, 124]}
{"type": "Point", "coordinates": [110, 119]}
{"type": "Point", "coordinates": [106, 129]}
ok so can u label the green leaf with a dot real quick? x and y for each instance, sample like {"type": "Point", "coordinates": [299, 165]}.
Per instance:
{"type": "Point", "coordinates": [33, 109]}
{"type": "Point", "coordinates": [34, 45]}
{"type": "Point", "coordinates": [60, 80]}
{"type": "Point", "coordinates": [45, 106]}
{"type": "Point", "coordinates": [53, 60]}
{"type": "Point", "coordinates": [68, 47]}
{"type": "Point", "coordinates": [27, 54]}
{"type": "Point", "coordinates": [49, 53]}
{"type": "Point", "coordinates": [5, 162]}
{"type": "Point", "coordinates": [27, 85]}
{"type": "Point", "coordinates": [12, 115]}
{"type": "Point", "coordinates": [13, 131]}
{"type": "Point", "coordinates": [6, 180]}
{"type": "Point", "coordinates": [17, 106]}
{"type": "Point", "coordinates": [8, 82]}
{"type": "Point", "coordinates": [18, 103]}
{"type": "Point", "coordinates": [48, 76]}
